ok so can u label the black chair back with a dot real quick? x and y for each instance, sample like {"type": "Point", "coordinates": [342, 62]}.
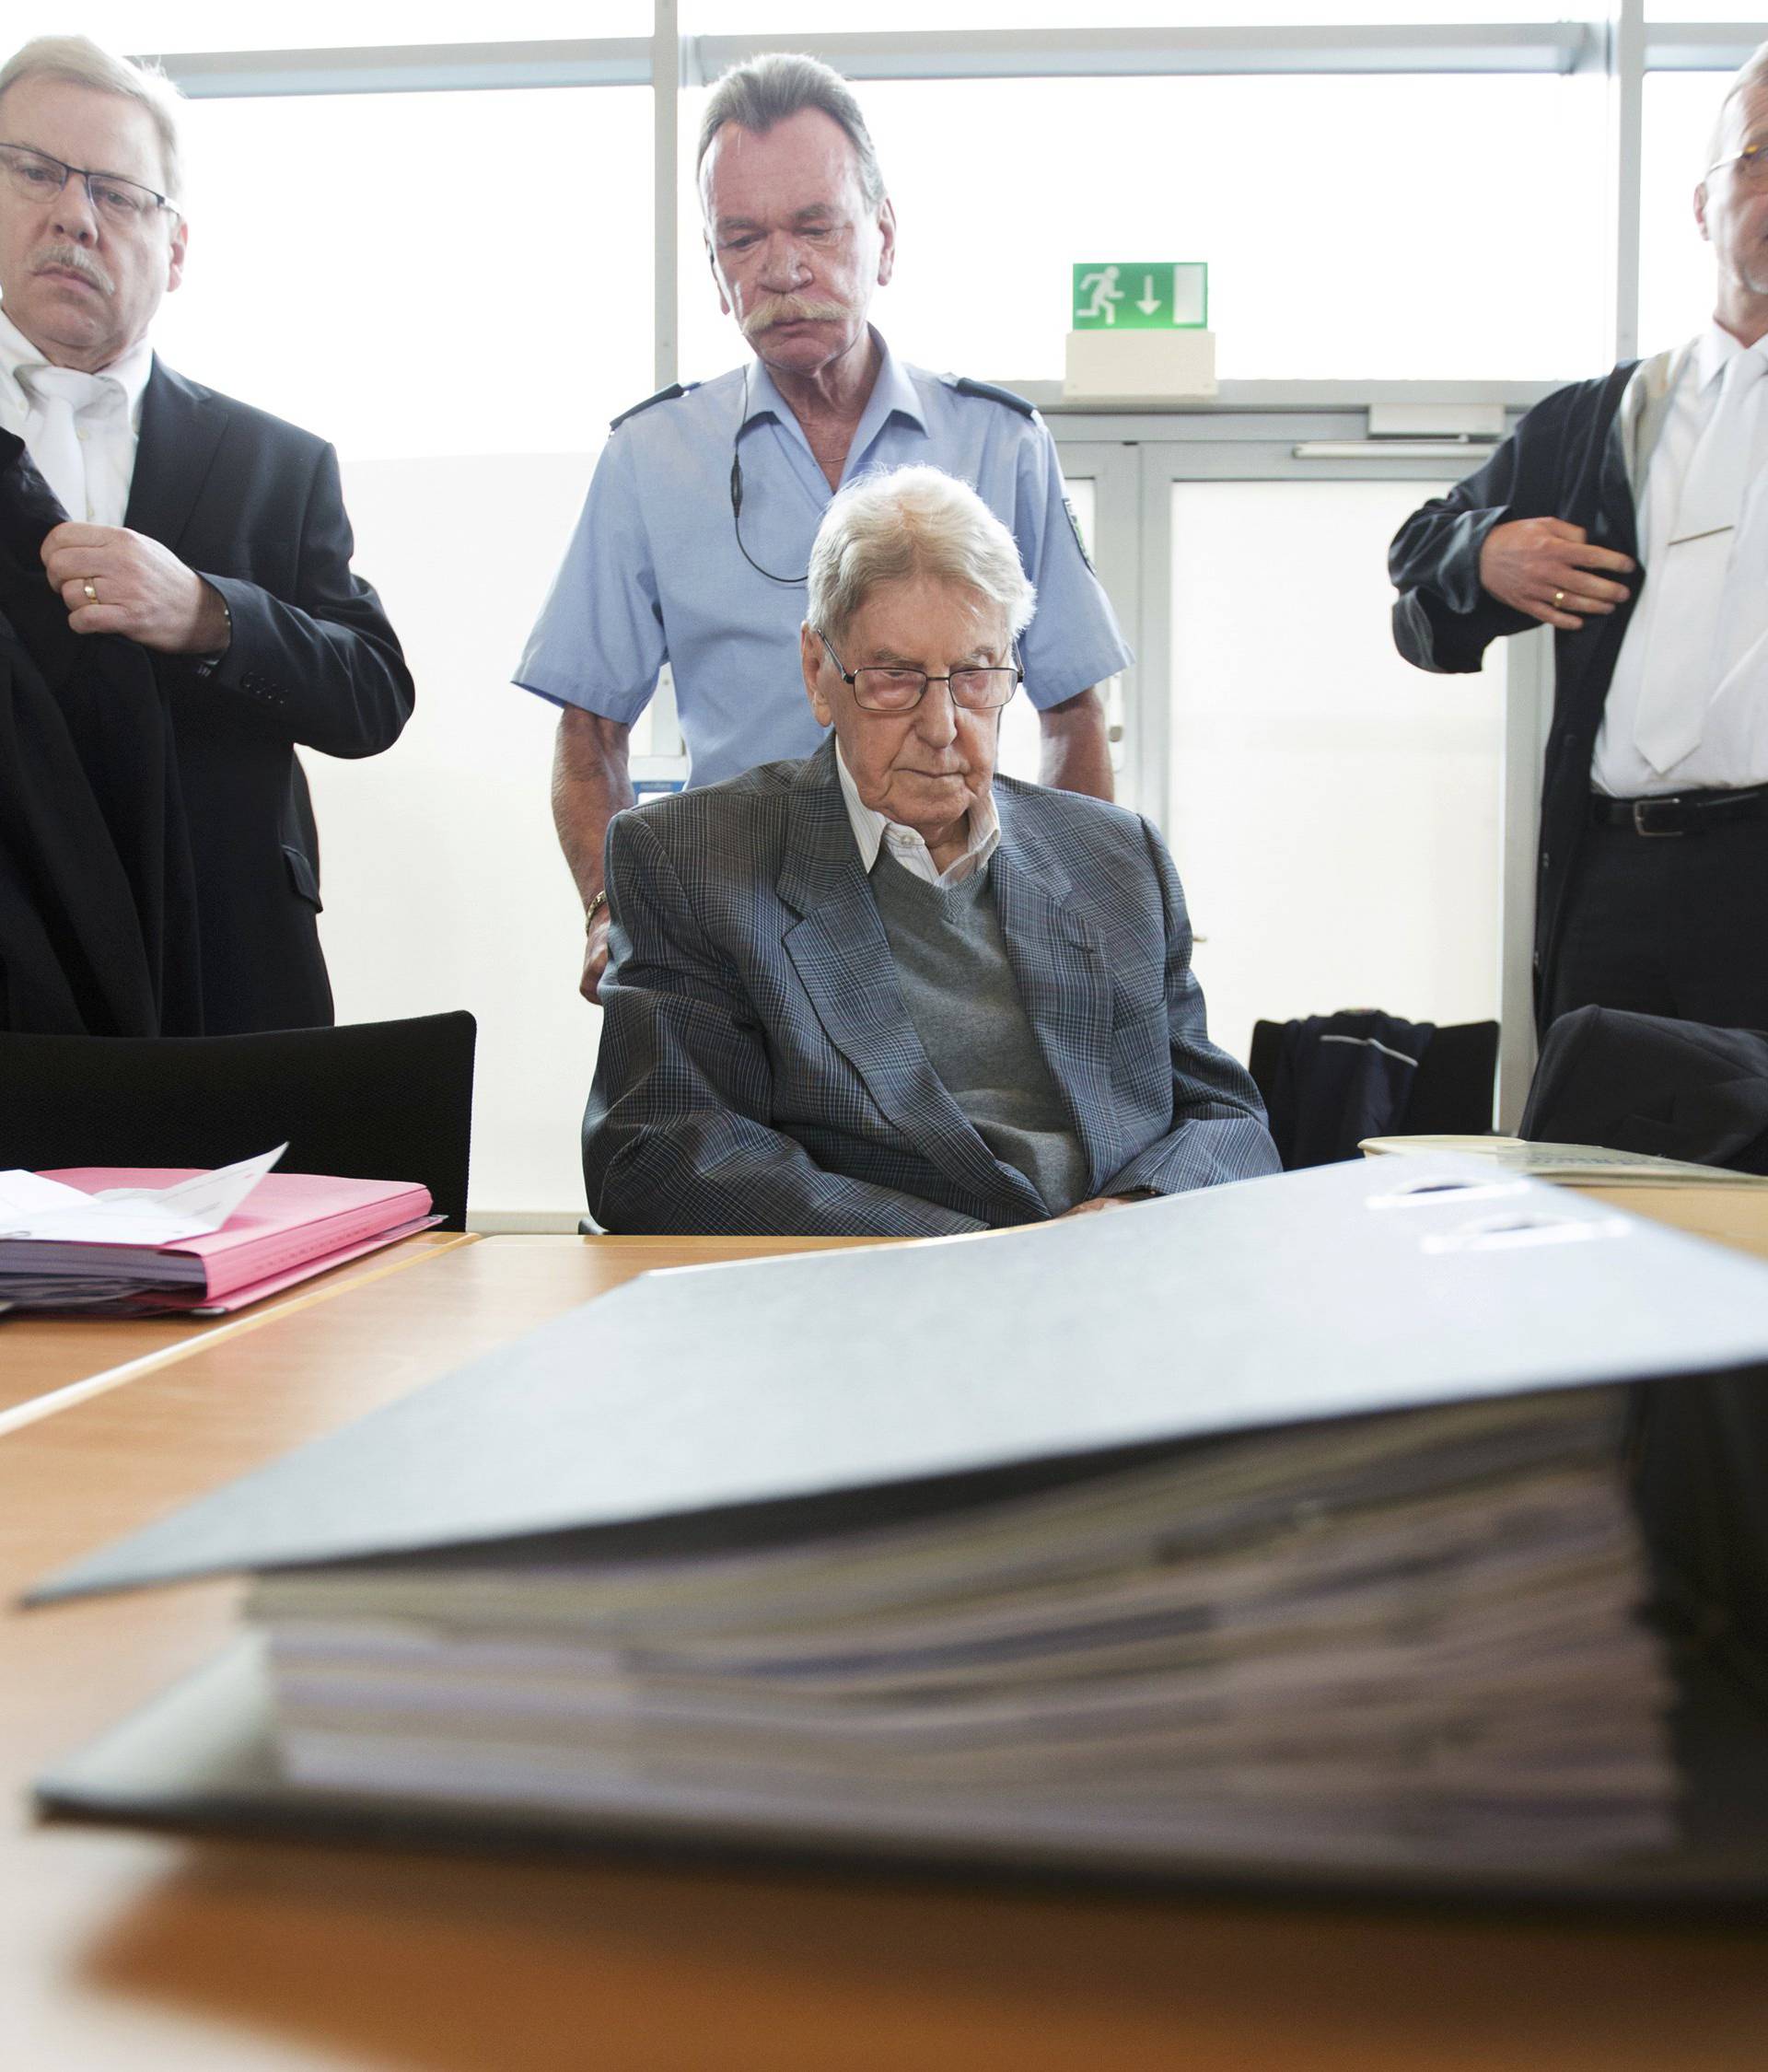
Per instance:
{"type": "Point", "coordinates": [372, 1100]}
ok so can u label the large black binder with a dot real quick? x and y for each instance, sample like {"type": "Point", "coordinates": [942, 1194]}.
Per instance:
{"type": "Point", "coordinates": [723, 1406]}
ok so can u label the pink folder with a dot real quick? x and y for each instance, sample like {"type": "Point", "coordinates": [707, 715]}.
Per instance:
{"type": "Point", "coordinates": [291, 1221]}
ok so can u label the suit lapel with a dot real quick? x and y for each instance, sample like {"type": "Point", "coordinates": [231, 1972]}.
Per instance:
{"type": "Point", "coordinates": [181, 429]}
{"type": "Point", "coordinates": [1632, 432]}
{"type": "Point", "coordinates": [1615, 522]}
{"type": "Point", "coordinates": [842, 959]}
{"type": "Point", "coordinates": [1060, 966]}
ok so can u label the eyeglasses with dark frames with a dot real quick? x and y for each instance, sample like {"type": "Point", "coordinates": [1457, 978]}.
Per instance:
{"type": "Point", "coordinates": [891, 689]}
{"type": "Point", "coordinates": [34, 176]}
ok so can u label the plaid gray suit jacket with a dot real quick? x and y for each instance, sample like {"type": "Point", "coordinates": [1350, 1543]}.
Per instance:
{"type": "Point", "coordinates": [759, 1071]}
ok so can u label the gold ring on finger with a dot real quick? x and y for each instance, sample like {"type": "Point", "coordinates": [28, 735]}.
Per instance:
{"type": "Point", "coordinates": [1559, 601]}
{"type": "Point", "coordinates": [91, 590]}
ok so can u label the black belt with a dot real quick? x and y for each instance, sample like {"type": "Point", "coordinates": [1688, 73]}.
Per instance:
{"type": "Point", "coordinates": [1685, 813]}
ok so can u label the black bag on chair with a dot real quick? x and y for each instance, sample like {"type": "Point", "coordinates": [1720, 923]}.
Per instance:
{"type": "Point", "coordinates": [1330, 1080]}
{"type": "Point", "coordinates": [1672, 1090]}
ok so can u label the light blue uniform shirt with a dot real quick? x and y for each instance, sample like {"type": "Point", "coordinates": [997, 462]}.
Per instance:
{"type": "Point", "coordinates": [653, 574]}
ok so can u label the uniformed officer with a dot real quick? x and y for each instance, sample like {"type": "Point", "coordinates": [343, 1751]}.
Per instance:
{"type": "Point", "coordinates": [694, 540]}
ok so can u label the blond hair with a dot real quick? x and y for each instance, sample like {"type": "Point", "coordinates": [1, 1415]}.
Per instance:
{"type": "Point", "coordinates": [80, 61]}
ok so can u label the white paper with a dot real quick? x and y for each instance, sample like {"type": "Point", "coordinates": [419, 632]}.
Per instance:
{"type": "Point", "coordinates": [1593, 1162]}
{"type": "Point", "coordinates": [33, 1207]}
{"type": "Point", "coordinates": [26, 1194]}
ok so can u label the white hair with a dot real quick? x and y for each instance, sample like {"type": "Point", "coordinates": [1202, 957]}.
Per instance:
{"type": "Point", "coordinates": [898, 522]}
{"type": "Point", "coordinates": [80, 61]}
{"type": "Point", "coordinates": [1753, 72]}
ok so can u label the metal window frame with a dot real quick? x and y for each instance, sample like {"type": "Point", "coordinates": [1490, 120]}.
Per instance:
{"type": "Point", "coordinates": [1613, 43]}
{"type": "Point", "coordinates": [1261, 437]}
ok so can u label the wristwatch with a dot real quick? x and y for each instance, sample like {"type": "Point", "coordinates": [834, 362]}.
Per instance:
{"type": "Point", "coordinates": [594, 908]}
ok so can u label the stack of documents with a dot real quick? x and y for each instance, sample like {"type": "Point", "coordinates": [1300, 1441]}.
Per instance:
{"type": "Point", "coordinates": [1395, 1640]}
{"type": "Point", "coordinates": [134, 1240]}
{"type": "Point", "coordinates": [1356, 1525]}
{"type": "Point", "coordinates": [1596, 1164]}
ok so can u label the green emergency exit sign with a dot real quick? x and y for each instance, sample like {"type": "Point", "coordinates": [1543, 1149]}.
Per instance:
{"type": "Point", "coordinates": [1142, 294]}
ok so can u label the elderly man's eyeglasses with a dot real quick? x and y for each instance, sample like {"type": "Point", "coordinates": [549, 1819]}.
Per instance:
{"type": "Point", "coordinates": [1751, 163]}
{"type": "Point", "coordinates": [36, 176]}
{"type": "Point", "coordinates": [891, 689]}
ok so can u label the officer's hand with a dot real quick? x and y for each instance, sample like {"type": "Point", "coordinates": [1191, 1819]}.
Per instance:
{"type": "Point", "coordinates": [115, 581]}
{"type": "Point", "coordinates": [595, 955]}
{"type": "Point", "coordinates": [1548, 569]}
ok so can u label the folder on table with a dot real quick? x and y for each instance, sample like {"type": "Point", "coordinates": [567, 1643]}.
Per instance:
{"type": "Point", "coordinates": [290, 1226]}
{"type": "Point", "coordinates": [1359, 1527]}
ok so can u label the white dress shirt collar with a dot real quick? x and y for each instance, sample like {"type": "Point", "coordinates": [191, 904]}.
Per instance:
{"type": "Point", "coordinates": [128, 373]}
{"type": "Point", "coordinates": [1714, 349]}
{"type": "Point", "coordinates": [871, 830]}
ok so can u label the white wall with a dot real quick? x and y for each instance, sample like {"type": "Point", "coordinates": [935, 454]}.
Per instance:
{"type": "Point", "coordinates": [444, 885]}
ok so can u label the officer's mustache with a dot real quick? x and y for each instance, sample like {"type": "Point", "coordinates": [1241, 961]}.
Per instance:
{"type": "Point", "coordinates": [790, 309]}
{"type": "Point", "coordinates": [72, 258]}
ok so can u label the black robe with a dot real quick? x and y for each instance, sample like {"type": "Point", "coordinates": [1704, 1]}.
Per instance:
{"type": "Point", "coordinates": [255, 506]}
{"type": "Point", "coordinates": [1563, 461]}
{"type": "Point", "coordinates": [97, 901]}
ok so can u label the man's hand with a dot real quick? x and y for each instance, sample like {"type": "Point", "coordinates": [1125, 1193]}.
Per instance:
{"type": "Point", "coordinates": [143, 590]}
{"type": "Point", "coordinates": [595, 955]}
{"type": "Point", "coordinates": [1548, 569]}
{"type": "Point", "coordinates": [1097, 1203]}
{"type": "Point", "coordinates": [590, 784]}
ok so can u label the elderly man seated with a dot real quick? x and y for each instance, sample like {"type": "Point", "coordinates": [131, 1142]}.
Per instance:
{"type": "Point", "coordinates": [882, 991]}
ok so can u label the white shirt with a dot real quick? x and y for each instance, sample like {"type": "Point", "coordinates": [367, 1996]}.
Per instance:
{"type": "Point", "coordinates": [108, 429]}
{"type": "Point", "coordinates": [871, 830]}
{"type": "Point", "coordinates": [1733, 749]}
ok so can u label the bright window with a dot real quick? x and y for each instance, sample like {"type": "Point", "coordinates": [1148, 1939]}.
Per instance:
{"type": "Point", "coordinates": [1322, 262]}
{"type": "Point", "coordinates": [410, 273]}
{"type": "Point", "coordinates": [1675, 263]}
{"type": "Point", "coordinates": [145, 26]}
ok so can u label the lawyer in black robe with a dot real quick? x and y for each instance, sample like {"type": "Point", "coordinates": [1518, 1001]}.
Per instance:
{"type": "Point", "coordinates": [1563, 461]}
{"type": "Point", "coordinates": [226, 506]}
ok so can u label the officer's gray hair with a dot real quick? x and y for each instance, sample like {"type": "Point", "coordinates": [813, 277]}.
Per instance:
{"type": "Point", "coordinates": [900, 522]}
{"type": "Point", "coordinates": [764, 90]}
{"type": "Point", "coordinates": [80, 61]}
{"type": "Point", "coordinates": [1753, 71]}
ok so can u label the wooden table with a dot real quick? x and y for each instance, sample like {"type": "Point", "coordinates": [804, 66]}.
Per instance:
{"type": "Point", "coordinates": [123, 1952]}
{"type": "Point", "coordinates": [47, 1363]}
{"type": "Point", "coordinates": [1736, 1215]}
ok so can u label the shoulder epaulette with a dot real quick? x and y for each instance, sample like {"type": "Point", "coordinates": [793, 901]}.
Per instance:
{"type": "Point", "coordinates": [674, 389]}
{"type": "Point", "coordinates": [966, 386]}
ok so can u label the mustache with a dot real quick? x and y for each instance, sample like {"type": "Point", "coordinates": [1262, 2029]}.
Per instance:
{"type": "Point", "coordinates": [72, 258]}
{"type": "Point", "coordinates": [788, 309]}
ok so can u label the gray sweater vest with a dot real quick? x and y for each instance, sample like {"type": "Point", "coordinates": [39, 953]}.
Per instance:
{"type": "Point", "coordinates": [951, 964]}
